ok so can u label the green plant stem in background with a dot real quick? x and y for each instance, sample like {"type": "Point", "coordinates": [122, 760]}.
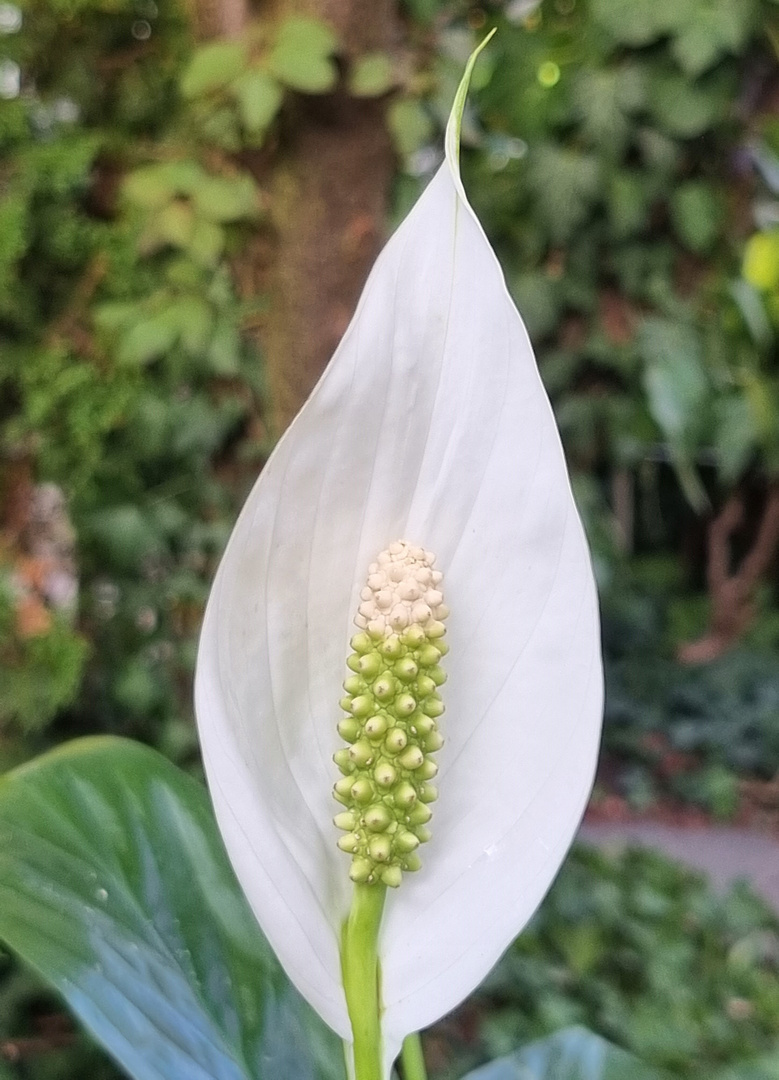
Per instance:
{"type": "Point", "coordinates": [360, 968]}
{"type": "Point", "coordinates": [413, 1059]}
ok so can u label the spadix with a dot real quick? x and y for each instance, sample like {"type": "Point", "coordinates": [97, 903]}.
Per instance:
{"type": "Point", "coordinates": [392, 707]}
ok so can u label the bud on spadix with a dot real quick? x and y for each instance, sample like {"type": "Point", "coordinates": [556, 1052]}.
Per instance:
{"type": "Point", "coordinates": [392, 708]}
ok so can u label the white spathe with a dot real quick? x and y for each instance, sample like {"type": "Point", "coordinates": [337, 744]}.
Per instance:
{"type": "Point", "coordinates": [430, 424]}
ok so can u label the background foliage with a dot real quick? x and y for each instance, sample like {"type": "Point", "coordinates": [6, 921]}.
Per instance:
{"type": "Point", "coordinates": [624, 158]}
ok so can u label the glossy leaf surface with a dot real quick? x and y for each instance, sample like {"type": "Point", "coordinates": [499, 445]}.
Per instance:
{"type": "Point", "coordinates": [115, 887]}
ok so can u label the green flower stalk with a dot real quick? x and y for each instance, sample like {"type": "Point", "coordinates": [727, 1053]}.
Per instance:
{"type": "Point", "coordinates": [393, 706]}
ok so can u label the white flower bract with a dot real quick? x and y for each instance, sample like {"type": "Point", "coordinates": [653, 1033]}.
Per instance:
{"type": "Point", "coordinates": [462, 455]}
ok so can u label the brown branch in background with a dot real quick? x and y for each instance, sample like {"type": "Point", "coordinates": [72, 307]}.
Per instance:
{"type": "Point", "coordinates": [16, 488]}
{"type": "Point", "coordinates": [56, 1032]}
{"type": "Point", "coordinates": [329, 202]}
{"type": "Point", "coordinates": [731, 592]}
{"type": "Point", "coordinates": [623, 498]}
{"type": "Point", "coordinates": [70, 325]}
{"type": "Point", "coordinates": [218, 18]}
{"type": "Point", "coordinates": [14, 1050]}
{"type": "Point", "coordinates": [119, 61]}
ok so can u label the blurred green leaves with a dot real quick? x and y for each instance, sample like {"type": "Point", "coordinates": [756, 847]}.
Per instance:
{"type": "Point", "coordinates": [697, 215]}
{"type": "Point", "coordinates": [573, 1054]}
{"type": "Point", "coordinates": [566, 185]}
{"type": "Point", "coordinates": [40, 672]}
{"type": "Point", "coordinates": [677, 392]}
{"type": "Point", "coordinates": [237, 87]}
{"type": "Point", "coordinates": [701, 31]}
{"type": "Point", "coordinates": [610, 152]}
{"type": "Point", "coordinates": [617, 225]}
{"type": "Point", "coordinates": [259, 98]}
{"type": "Point", "coordinates": [409, 124]}
{"type": "Point", "coordinates": [185, 207]}
{"type": "Point", "coordinates": [115, 888]}
{"type": "Point", "coordinates": [639, 950]}
{"type": "Point", "coordinates": [686, 109]}
{"type": "Point", "coordinates": [372, 75]}
{"type": "Point", "coordinates": [301, 56]}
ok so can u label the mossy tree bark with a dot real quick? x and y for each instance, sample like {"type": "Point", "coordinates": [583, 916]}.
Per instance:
{"type": "Point", "coordinates": [218, 18]}
{"type": "Point", "coordinates": [329, 192]}
{"type": "Point", "coordinates": [327, 176]}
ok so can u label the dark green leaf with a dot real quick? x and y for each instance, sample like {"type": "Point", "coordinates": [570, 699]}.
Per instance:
{"type": "Point", "coordinates": [152, 337]}
{"type": "Point", "coordinates": [674, 376]}
{"type": "Point", "coordinates": [627, 202]}
{"type": "Point", "coordinates": [566, 184]}
{"type": "Point", "coordinates": [711, 30]}
{"type": "Point", "coordinates": [115, 887]}
{"type": "Point", "coordinates": [220, 126]}
{"type": "Point", "coordinates": [765, 1068]}
{"type": "Point", "coordinates": [14, 227]}
{"type": "Point", "coordinates": [696, 215]}
{"type": "Point", "coordinates": [686, 109]}
{"type": "Point", "coordinates": [698, 47]}
{"type": "Point", "coordinates": [753, 312]}
{"type": "Point", "coordinates": [424, 11]}
{"type": "Point", "coordinates": [602, 99]}
{"type": "Point", "coordinates": [636, 22]}
{"type": "Point", "coordinates": [677, 391]}
{"type": "Point", "coordinates": [735, 435]}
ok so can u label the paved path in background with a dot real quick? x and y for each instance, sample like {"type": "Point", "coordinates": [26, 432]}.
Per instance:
{"type": "Point", "coordinates": [725, 854]}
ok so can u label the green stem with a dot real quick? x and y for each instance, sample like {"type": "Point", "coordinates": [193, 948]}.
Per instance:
{"type": "Point", "coordinates": [360, 970]}
{"type": "Point", "coordinates": [412, 1058]}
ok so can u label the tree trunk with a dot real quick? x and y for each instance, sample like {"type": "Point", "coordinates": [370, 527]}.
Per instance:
{"type": "Point", "coordinates": [328, 180]}
{"type": "Point", "coordinates": [329, 194]}
{"type": "Point", "coordinates": [218, 18]}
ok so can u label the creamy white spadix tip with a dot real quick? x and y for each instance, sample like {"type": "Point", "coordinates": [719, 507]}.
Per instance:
{"type": "Point", "coordinates": [392, 707]}
{"type": "Point", "coordinates": [461, 456]}
{"type": "Point", "coordinates": [402, 589]}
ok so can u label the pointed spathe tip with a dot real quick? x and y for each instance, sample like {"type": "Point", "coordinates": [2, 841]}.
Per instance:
{"type": "Point", "coordinates": [455, 122]}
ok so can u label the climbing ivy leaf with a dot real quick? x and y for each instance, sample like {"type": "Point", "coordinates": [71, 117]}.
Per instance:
{"type": "Point", "coordinates": [212, 67]}
{"type": "Point", "coordinates": [301, 57]}
{"type": "Point", "coordinates": [372, 75]}
{"type": "Point", "coordinates": [259, 98]}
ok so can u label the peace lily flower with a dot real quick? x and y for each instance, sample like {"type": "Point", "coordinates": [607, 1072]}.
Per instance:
{"type": "Point", "coordinates": [429, 441]}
